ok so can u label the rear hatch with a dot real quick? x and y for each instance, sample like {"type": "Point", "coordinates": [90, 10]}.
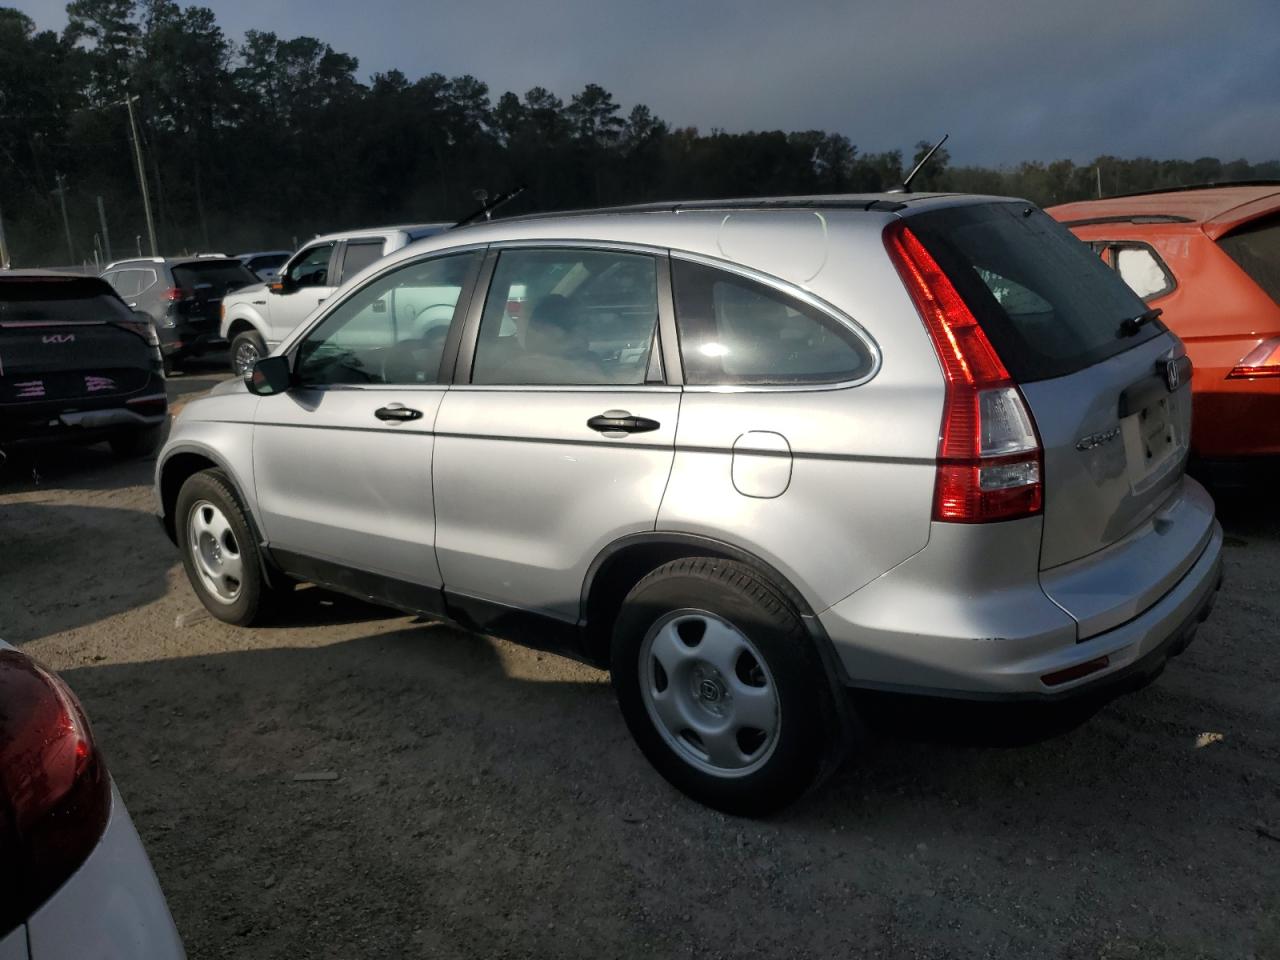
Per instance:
{"type": "Point", "coordinates": [203, 284]}
{"type": "Point", "coordinates": [1111, 401]}
{"type": "Point", "coordinates": [70, 340]}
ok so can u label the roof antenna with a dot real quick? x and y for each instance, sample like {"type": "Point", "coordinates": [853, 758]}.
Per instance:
{"type": "Point", "coordinates": [906, 183]}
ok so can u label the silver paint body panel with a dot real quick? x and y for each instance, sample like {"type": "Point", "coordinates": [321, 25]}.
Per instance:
{"type": "Point", "coordinates": [504, 494]}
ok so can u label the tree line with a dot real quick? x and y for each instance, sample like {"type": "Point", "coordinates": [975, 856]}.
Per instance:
{"type": "Point", "coordinates": [265, 142]}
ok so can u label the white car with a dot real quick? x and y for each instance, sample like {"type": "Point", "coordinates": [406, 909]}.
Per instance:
{"type": "Point", "coordinates": [257, 318]}
{"type": "Point", "coordinates": [76, 881]}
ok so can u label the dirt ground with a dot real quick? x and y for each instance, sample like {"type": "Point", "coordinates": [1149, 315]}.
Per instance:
{"type": "Point", "coordinates": [488, 801]}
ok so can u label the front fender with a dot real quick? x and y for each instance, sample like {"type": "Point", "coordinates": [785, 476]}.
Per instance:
{"type": "Point", "coordinates": [245, 311]}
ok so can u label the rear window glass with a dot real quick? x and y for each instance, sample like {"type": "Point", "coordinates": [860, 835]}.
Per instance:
{"type": "Point", "coordinates": [42, 301]}
{"type": "Point", "coordinates": [1256, 248]}
{"type": "Point", "coordinates": [1049, 305]}
{"type": "Point", "coordinates": [267, 261]}
{"type": "Point", "coordinates": [221, 275]}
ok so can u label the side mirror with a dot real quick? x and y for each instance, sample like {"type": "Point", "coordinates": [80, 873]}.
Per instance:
{"type": "Point", "coordinates": [270, 375]}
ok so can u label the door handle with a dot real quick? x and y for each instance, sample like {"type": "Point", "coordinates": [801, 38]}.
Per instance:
{"type": "Point", "coordinates": [397, 412]}
{"type": "Point", "coordinates": [620, 421]}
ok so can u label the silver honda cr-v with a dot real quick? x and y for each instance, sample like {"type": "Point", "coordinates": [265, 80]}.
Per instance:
{"type": "Point", "coordinates": [745, 454]}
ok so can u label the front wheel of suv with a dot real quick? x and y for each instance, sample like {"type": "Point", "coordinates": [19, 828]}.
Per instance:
{"type": "Point", "coordinates": [246, 349]}
{"type": "Point", "coordinates": [219, 550]}
{"type": "Point", "coordinates": [721, 686]}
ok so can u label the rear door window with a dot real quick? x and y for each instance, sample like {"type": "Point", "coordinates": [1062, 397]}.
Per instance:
{"type": "Point", "coordinates": [1255, 247]}
{"type": "Point", "coordinates": [358, 255]}
{"type": "Point", "coordinates": [735, 330]}
{"type": "Point", "coordinates": [1050, 306]}
{"type": "Point", "coordinates": [566, 317]}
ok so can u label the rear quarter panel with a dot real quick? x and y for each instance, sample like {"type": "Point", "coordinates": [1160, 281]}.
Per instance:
{"type": "Point", "coordinates": [860, 491]}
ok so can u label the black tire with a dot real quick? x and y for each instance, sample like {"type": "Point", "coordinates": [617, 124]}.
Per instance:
{"type": "Point", "coordinates": [808, 743]}
{"type": "Point", "coordinates": [255, 597]}
{"type": "Point", "coordinates": [248, 340]}
{"type": "Point", "coordinates": [136, 444]}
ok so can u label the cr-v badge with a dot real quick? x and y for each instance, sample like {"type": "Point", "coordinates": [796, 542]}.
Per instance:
{"type": "Point", "coordinates": [1097, 439]}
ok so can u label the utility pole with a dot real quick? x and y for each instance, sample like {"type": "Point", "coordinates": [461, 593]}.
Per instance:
{"type": "Point", "coordinates": [66, 224]}
{"type": "Point", "coordinates": [106, 237]}
{"type": "Point", "coordinates": [4, 248]}
{"type": "Point", "coordinates": [142, 174]}
{"type": "Point", "coordinates": [1098, 170]}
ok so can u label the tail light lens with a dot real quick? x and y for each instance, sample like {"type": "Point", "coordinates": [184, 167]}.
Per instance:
{"type": "Point", "coordinates": [990, 460]}
{"type": "Point", "coordinates": [177, 294]}
{"type": "Point", "coordinates": [1262, 361]}
{"type": "Point", "coordinates": [55, 795]}
{"type": "Point", "coordinates": [142, 328]}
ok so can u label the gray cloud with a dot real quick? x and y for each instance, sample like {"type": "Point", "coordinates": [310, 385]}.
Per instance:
{"type": "Point", "coordinates": [1010, 79]}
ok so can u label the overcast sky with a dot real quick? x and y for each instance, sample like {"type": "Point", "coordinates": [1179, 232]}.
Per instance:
{"type": "Point", "coordinates": [1009, 79]}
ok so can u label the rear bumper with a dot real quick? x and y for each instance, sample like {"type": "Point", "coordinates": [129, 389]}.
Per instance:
{"type": "Point", "coordinates": [73, 420]}
{"type": "Point", "coordinates": [1028, 638]}
{"type": "Point", "coordinates": [188, 339]}
{"type": "Point", "coordinates": [112, 907]}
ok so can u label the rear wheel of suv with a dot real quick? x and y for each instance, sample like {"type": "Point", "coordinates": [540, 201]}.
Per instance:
{"type": "Point", "coordinates": [247, 348]}
{"type": "Point", "coordinates": [721, 686]}
{"type": "Point", "coordinates": [219, 550]}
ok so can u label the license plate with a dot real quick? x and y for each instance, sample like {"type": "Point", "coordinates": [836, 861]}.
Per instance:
{"type": "Point", "coordinates": [1150, 441]}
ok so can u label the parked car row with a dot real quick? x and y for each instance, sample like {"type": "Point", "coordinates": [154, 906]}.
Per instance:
{"type": "Point", "coordinates": [747, 455]}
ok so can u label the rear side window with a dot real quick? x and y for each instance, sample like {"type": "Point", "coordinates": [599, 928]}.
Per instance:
{"type": "Point", "coordinates": [734, 330]}
{"type": "Point", "coordinates": [1255, 247]}
{"type": "Point", "coordinates": [1143, 271]}
{"type": "Point", "coordinates": [1049, 305]}
{"type": "Point", "coordinates": [220, 275]}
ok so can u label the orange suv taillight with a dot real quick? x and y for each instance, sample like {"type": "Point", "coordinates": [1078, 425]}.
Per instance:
{"type": "Point", "coordinates": [990, 459]}
{"type": "Point", "coordinates": [1262, 361]}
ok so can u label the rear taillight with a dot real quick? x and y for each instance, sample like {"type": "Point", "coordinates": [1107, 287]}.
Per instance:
{"type": "Point", "coordinates": [55, 795]}
{"type": "Point", "coordinates": [143, 328]}
{"type": "Point", "coordinates": [1262, 361]}
{"type": "Point", "coordinates": [176, 294]}
{"type": "Point", "coordinates": [990, 461]}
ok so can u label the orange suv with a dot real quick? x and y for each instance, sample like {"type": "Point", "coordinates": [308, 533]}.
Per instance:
{"type": "Point", "coordinates": [1209, 257]}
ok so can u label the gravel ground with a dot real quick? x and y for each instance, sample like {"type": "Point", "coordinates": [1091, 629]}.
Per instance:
{"type": "Point", "coordinates": [484, 800]}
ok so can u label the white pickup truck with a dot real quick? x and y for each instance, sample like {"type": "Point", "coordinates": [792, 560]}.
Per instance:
{"type": "Point", "coordinates": [256, 318]}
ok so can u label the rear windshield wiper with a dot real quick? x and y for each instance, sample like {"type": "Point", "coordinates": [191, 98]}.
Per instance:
{"type": "Point", "coordinates": [1130, 326]}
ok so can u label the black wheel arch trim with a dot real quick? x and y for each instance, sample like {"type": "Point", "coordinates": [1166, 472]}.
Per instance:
{"type": "Point", "coordinates": [670, 545]}
{"type": "Point", "coordinates": [270, 571]}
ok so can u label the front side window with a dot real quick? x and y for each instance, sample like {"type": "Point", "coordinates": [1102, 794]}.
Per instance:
{"type": "Point", "coordinates": [734, 330]}
{"type": "Point", "coordinates": [311, 267]}
{"type": "Point", "coordinates": [390, 331]}
{"type": "Point", "coordinates": [568, 317]}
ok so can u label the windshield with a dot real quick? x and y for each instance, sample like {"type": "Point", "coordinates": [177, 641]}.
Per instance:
{"type": "Point", "coordinates": [1048, 303]}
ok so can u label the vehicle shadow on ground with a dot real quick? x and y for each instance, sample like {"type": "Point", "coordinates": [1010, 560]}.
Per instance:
{"type": "Point", "coordinates": [449, 775]}
{"type": "Point", "coordinates": [69, 466]}
{"type": "Point", "coordinates": [46, 551]}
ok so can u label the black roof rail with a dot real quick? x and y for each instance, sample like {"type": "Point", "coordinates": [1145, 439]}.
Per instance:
{"type": "Point", "coordinates": [1187, 187]}
{"type": "Point", "coordinates": [1128, 218]}
{"type": "Point", "coordinates": [817, 201]}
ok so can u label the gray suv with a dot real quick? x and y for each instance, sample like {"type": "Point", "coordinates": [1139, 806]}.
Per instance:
{"type": "Point", "coordinates": [747, 455]}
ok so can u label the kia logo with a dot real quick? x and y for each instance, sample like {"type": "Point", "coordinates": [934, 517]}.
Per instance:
{"type": "Point", "coordinates": [59, 338]}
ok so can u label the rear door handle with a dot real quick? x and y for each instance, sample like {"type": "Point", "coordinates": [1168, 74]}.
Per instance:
{"type": "Point", "coordinates": [620, 421]}
{"type": "Point", "coordinates": [397, 412]}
